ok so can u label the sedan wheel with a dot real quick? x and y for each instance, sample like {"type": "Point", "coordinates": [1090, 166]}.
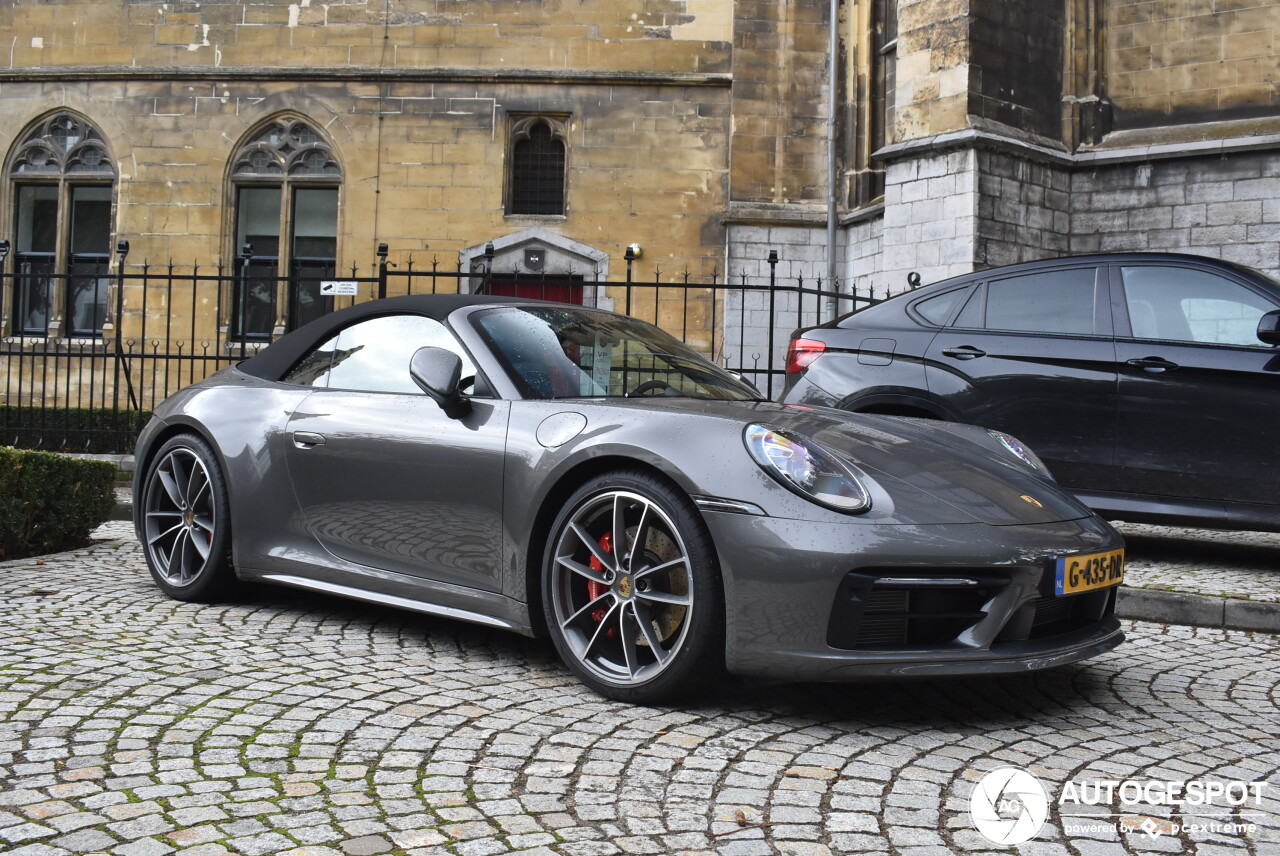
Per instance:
{"type": "Point", "coordinates": [186, 521]}
{"type": "Point", "coordinates": [632, 596]}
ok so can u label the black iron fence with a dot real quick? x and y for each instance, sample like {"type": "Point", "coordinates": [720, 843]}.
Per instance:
{"type": "Point", "coordinates": [88, 383]}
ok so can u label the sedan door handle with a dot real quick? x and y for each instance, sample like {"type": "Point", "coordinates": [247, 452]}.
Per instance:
{"type": "Point", "coordinates": [964, 352]}
{"type": "Point", "coordinates": [307, 440]}
{"type": "Point", "coordinates": [1153, 365]}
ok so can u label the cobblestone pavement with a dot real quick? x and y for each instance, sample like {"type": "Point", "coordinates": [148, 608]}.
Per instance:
{"type": "Point", "coordinates": [293, 723]}
{"type": "Point", "coordinates": [1203, 561]}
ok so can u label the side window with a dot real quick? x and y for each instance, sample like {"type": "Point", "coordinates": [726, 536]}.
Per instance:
{"type": "Point", "coordinates": [374, 355]}
{"type": "Point", "coordinates": [1057, 301]}
{"type": "Point", "coordinates": [313, 369]}
{"type": "Point", "coordinates": [936, 309]}
{"type": "Point", "coordinates": [971, 314]}
{"type": "Point", "coordinates": [1188, 305]}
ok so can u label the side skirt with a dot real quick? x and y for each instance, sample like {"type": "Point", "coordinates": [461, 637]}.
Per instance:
{"type": "Point", "coordinates": [499, 611]}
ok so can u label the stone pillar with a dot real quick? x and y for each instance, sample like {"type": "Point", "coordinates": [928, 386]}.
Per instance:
{"type": "Point", "coordinates": [930, 217]}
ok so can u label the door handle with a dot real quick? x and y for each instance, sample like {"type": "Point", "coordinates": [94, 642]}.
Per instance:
{"type": "Point", "coordinates": [1154, 365]}
{"type": "Point", "coordinates": [964, 352]}
{"type": "Point", "coordinates": [307, 440]}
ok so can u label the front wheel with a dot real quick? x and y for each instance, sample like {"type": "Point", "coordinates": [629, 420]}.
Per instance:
{"type": "Point", "coordinates": [186, 522]}
{"type": "Point", "coordinates": [632, 591]}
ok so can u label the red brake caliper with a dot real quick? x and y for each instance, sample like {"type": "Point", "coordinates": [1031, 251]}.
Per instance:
{"type": "Point", "coordinates": [595, 589]}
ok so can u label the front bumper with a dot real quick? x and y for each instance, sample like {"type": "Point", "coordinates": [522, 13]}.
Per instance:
{"type": "Point", "coordinates": [796, 604]}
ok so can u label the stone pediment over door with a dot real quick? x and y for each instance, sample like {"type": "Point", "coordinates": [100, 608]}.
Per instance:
{"type": "Point", "coordinates": [535, 254]}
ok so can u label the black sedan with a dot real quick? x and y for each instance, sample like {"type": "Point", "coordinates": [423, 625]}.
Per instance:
{"type": "Point", "coordinates": [1149, 383]}
{"type": "Point", "coordinates": [558, 470]}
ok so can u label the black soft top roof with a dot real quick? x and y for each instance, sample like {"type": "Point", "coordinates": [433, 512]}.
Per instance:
{"type": "Point", "coordinates": [274, 361]}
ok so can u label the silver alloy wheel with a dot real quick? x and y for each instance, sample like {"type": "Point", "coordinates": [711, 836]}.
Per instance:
{"type": "Point", "coordinates": [623, 606]}
{"type": "Point", "coordinates": [181, 516]}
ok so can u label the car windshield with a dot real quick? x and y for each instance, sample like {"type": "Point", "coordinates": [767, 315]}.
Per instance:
{"type": "Point", "coordinates": [568, 352]}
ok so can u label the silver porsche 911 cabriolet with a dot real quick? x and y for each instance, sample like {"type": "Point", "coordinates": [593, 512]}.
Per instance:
{"type": "Point", "coordinates": [558, 470]}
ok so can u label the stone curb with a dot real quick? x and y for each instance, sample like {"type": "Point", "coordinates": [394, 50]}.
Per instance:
{"type": "Point", "coordinates": [1198, 610]}
{"type": "Point", "coordinates": [124, 463]}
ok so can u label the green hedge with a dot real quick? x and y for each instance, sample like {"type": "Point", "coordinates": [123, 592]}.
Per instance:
{"type": "Point", "coordinates": [50, 503]}
{"type": "Point", "coordinates": [95, 430]}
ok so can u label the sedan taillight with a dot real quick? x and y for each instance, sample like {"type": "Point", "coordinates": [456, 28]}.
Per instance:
{"type": "Point", "coordinates": [801, 352]}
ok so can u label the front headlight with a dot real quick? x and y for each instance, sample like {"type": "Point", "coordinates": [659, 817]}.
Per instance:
{"type": "Point", "coordinates": [1015, 447]}
{"type": "Point", "coordinates": [806, 468]}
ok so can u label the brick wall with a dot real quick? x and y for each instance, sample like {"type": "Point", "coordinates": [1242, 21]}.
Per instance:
{"type": "Point", "coordinates": [779, 101]}
{"type": "Point", "coordinates": [930, 217]}
{"type": "Point", "coordinates": [1024, 211]}
{"type": "Point", "coordinates": [933, 71]}
{"type": "Point", "coordinates": [1017, 56]}
{"type": "Point", "coordinates": [801, 260]}
{"type": "Point", "coordinates": [863, 255]}
{"type": "Point", "coordinates": [423, 163]}
{"type": "Point", "coordinates": [947, 214]}
{"type": "Point", "coordinates": [679, 35]}
{"type": "Point", "coordinates": [1173, 61]}
{"type": "Point", "coordinates": [1228, 208]}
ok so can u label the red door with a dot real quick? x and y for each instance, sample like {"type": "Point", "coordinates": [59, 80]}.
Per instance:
{"type": "Point", "coordinates": [562, 289]}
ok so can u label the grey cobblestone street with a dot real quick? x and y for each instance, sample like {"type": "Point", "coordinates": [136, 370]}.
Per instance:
{"type": "Point", "coordinates": [1203, 561]}
{"type": "Point", "coordinates": [291, 723]}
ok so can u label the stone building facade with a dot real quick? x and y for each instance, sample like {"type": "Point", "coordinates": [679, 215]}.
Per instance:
{"type": "Point", "coordinates": [967, 133]}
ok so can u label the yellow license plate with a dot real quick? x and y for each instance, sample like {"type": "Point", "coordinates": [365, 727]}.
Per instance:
{"type": "Point", "coordinates": [1089, 571]}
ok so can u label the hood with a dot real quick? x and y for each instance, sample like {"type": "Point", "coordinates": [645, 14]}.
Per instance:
{"type": "Point", "coordinates": [958, 465]}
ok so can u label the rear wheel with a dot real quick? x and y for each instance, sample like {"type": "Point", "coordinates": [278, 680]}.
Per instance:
{"type": "Point", "coordinates": [186, 522]}
{"type": "Point", "coordinates": [632, 591]}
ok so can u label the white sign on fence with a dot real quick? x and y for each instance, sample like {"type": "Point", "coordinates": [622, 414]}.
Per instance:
{"type": "Point", "coordinates": [339, 287]}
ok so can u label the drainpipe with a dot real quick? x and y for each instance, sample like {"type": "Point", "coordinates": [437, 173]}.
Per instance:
{"type": "Point", "coordinates": [833, 71]}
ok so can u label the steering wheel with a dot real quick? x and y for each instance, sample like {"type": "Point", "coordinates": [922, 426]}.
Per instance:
{"type": "Point", "coordinates": [649, 386]}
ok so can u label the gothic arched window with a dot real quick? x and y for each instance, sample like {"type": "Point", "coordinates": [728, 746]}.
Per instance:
{"type": "Point", "coordinates": [62, 176]}
{"type": "Point", "coordinates": [536, 183]}
{"type": "Point", "coordinates": [285, 181]}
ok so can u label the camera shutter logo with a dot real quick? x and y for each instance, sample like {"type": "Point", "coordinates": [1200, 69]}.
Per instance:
{"type": "Point", "coordinates": [1009, 806]}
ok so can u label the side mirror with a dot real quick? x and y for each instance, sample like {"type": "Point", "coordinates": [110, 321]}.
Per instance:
{"type": "Point", "coordinates": [437, 372]}
{"type": "Point", "coordinates": [1269, 327]}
